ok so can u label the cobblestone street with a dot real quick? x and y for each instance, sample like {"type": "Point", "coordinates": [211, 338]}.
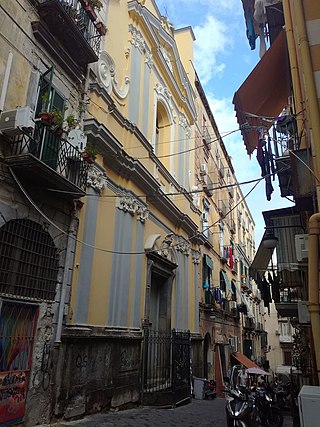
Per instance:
{"type": "Point", "coordinates": [200, 413]}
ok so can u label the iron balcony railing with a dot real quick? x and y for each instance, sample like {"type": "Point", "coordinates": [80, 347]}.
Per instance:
{"type": "Point", "coordinates": [82, 16]}
{"type": "Point", "coordinates": [53, 150]}
{"type": "Point", "coordinates": [84, 22]}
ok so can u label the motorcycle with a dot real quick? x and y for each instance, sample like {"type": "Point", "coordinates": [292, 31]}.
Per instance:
{"type": "Point", "coordinates": [251, 408]}
{"type": "Point", "coordinates": [209, 389]}
{"type": "Point", "coordinates": [240, 410]}
{"type": "Point", "coordinates": [269, 412]}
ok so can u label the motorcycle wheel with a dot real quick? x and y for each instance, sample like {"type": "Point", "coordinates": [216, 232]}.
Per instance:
{"type": "Point", "coordinates": [275, 419]}
{"type": "Point", "coordinates": [235, 423]}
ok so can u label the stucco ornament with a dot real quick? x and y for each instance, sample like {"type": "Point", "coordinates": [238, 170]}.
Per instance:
{"type": "Point", "coordinates": [128, 203]}
{"type": "Point", "coordinates": [183, 246]}
{"type": "Point", "coordinates": [166, 246]}
{"type": "Point", "coordinates": [143, 214]}
{"type": "Point", "coordinates": [137, 39]}
{"type": "Point", "coordinates": [167, 96]}
{"type": "Point", "coordinates": [184, 123]}
{"type": "Point", "coordinates": [167, 57]}
{"type": "Point", "coordinates": [106, 76]}
{"type": "Point", "coordinates": [196, 257]}
{"type": "Point", "coordinates": [96, 179]}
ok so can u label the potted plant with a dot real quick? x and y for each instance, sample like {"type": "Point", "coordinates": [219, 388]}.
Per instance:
{"type": "Point", "coordinates": [96, 4]}
{"type": "Point", "coordinates": [44, 114]}
{"type": "Point", "coordinates": [102, 29]}
{"type": "Point", "coordinates": [71, 121]}
{"type": "Point", "coordinates": [57, 121]}
{"type": "Point", "coordinates": [89, 153]}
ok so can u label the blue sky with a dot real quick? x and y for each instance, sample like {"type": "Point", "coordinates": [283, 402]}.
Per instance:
{"type": "Point", "coordinates": [223, 60]}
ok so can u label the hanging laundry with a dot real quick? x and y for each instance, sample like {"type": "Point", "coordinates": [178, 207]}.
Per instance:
{"type": "Point", "coordinates": [231, 262]}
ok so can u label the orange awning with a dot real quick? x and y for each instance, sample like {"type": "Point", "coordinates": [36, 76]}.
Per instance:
{"type": "Point", "coordinates": [265, 92]}
{"type": "Point", "coordinates": [244, 360]}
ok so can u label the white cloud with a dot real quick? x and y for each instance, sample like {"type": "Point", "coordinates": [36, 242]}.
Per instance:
{"type": "Point", "coordinates": [212, 38]}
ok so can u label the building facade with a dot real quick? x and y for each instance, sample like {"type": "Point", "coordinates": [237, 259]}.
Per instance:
{"type": "Point", "coordinates": [122, 257]}
{"type": "Point", "coordinates": [284, 129]}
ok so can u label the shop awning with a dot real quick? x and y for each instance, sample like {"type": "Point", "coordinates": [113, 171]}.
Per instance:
{"type": "Point", "coordinates": [265, 92]}
{"type": "Point", "coordinates": [241, 358]}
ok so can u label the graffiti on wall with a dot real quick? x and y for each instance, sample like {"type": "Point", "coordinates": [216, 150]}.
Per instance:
{"type": "Point", "coordinates": [13, 391]}
{"type": "Point", "coordinates": [17, 330]}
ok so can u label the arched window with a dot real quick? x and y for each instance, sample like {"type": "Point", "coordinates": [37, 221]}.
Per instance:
{"type": "Point", "coordinates": [28, 260]}
{"type": "Point", "coordinates": [163, 130]}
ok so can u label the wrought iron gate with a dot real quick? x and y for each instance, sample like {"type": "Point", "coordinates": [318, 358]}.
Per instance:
{"type": "Point", "coordinates": [165, 368]}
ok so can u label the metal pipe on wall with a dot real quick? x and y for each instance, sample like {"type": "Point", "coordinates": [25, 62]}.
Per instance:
{"type": "Point", "coordinates": [5, 81]}
{"type": "Point", "coordinates": [311, 100]}
{"type": "Point", "coordinates": [313, 282]}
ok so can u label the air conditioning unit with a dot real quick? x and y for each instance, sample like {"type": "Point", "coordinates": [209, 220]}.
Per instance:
{"type": "Point", "coordinates": [203, 169]}
{"type": "Point", "coordinates": [302, 247]}
{"type": "Point", "coordinates": [14, 122]}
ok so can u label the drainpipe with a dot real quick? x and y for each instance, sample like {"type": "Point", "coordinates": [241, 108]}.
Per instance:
{"type": "Point", "coordinates": [293, 62]}
{"type": "Point", "coordinates": [5, 81]}
{"type": "Point", "coordinates": [313, 281]}
{"type": "Point", "coordinates": [310, 89]}
{"type": "Point", "coordinates": [67, 275]}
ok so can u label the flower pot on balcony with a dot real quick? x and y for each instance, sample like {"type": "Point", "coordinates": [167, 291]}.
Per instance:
{"type": "Point", "coordinates": [86, 156]}
{"type": "Point", "coordinates": [46, 117]}
{"type": "Point", "coordinates": [101, 28]}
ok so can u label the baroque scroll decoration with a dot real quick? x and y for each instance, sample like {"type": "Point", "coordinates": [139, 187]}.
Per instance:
{"type": "Point", "coordinates": [96, 179]}
{"type": "Point", "coordinates": [130, 204]}
{"type": "Point", "coordinates": [107, 76]}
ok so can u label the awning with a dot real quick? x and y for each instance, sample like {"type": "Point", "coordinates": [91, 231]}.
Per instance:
{"type": "Point", "coordinates": [262, 258]}
{"type": "Point", "coordinates": [208, 261]}
{"type": "Point", "coordinates": [226, 280]}
{"type": "Point", "coordinates": [244, 360]}
{"type": "Point", "coordinates": [265, 92]}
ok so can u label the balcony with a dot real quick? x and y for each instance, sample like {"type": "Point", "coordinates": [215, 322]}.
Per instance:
{"type": "Point", "coordinates": [69, 23]}
{"type": "Point", "coordinates": [232, 225]}
{"type": "Point", "coordinates": [206, 138]}
{"type": "Point", "coordinates": [222, 208]}
{"type": "Point", "coordinates": [288, 305]}
{"type": "Point", "coordinates": [48, 161]}
{"type": "Point", "coordinates": [207, 185]}
{"type": "Point", "coordinates": [249, 323]}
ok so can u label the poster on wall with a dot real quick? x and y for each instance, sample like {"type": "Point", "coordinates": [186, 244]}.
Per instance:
{"type": "Point", "coordinates": [13, 392]}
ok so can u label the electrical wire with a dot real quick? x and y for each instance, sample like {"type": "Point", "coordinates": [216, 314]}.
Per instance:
{"type": "Point", "coordinates": [108, 250]}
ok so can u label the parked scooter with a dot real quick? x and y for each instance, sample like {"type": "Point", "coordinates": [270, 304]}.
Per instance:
{"type": "Point", "coordinates": [269, 412]}
{"type": "Point", "coordinates": [251, 408]}
{"type": "Point", "coordinates": [209, 389]}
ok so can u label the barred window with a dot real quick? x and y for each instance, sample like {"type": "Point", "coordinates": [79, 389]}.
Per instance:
{"type": "Point", "coordinates": [28, 260]}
